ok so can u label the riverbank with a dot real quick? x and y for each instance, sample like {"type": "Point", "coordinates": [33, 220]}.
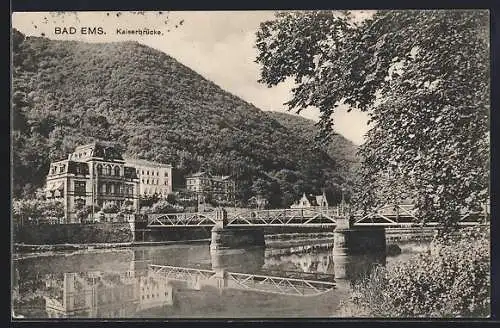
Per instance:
{"type": "Point", "coordinates": [24, 249]}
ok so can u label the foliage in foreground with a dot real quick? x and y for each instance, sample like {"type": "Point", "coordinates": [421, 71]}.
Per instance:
{"type": "Point", "coordinates": [423, 78]}
{"type": "Point", "coordinates": [451, 280]}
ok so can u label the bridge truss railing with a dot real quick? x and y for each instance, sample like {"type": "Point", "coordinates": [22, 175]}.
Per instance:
{"type": "Point", "coordinates": [385, 216]}
{"type": "Point", "coordinates": [247, 281]}
{"type": "Point", "coordinates": [182, 219]}
{"type": "Point", "coordinates": [284, 217]}
{"type": "Point", "coordinates": [279, 217]}
{"type": "Point", "coordinates": [404, 216]}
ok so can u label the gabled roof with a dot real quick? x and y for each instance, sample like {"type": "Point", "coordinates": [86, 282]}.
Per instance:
{"type": "Point", "coordinates": [315, 200]}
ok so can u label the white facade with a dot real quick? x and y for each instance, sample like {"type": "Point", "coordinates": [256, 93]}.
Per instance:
{"type": "Point", "coordinates": [154, 178]}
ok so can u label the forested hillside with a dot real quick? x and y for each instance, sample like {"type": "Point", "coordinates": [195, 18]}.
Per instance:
{"type": "Point", "coordinates": [68, 93]}
{"type": "Point", "coordinates": [343, 150]}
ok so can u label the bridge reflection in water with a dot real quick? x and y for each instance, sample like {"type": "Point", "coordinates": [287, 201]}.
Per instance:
{"type": "Point", "coordinates": [150, 284]}
{"type": "Point", "coordinates": [252, 282]}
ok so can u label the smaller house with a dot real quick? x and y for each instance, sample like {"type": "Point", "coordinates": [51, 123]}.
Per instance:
{"type": "Point", "coordinates": [311, 201]}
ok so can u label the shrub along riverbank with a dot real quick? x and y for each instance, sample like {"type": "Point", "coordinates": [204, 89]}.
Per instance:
{"type": "Point", "coordinates": [452, 279]}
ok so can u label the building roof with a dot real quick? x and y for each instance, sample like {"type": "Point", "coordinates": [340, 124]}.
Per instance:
{"type": "Point", "coordinates": [143, 162]}
{"type": "Point", "coordinates": [315, 200]}
{"type": "Point", "coordinates": [212, 177]}
{"type": "Point", "coordinates": [94, 144]}
{"type": "Point", "coordinates": [197, 175]}
{"type": "Point", "coordinates": [104, 149]}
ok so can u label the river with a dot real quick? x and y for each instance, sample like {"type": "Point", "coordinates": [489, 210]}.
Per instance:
{"type": "Point", "coordinates": [187, 281]}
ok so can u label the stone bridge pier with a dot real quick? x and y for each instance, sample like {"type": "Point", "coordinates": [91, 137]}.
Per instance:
{"type": "Point", "coordinates": [227, 237]}
{"type": "Point", "coordinates": [350, 244]}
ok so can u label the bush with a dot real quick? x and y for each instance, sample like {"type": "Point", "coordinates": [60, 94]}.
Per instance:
{"type": "Point", "coordinates": [163, 206]}
{"type": "Point", "coordinates": [451, 280]}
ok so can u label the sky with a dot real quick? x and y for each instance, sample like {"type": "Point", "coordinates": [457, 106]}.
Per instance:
{"type": "Point", "coordinates": [219, 45]}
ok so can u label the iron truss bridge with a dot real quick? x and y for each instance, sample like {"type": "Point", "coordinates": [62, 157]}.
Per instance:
{"type": "Point", "coordinates": [245, 281]}
{"type": "Point", "coordinates": [404, 216]}
{"type": "Point", "coordinates": [386, 216]}
{"type": "Point", "coordinates": [265, 218]}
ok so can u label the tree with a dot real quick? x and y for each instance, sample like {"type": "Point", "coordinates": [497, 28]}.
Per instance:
{"type": "Point", "coordinates": [172, 198]}
{"type": "Point", "coordinates": [83, 211]}
{"type": "Point", "coordinates": [423, 77]}
{"type": "Point", "coordinates": [110, 208]}
{"type": "Point", "coordinates": [52, 208]}
{"type": "Point", "coordinates": [24, 210]}
{"type": "Point", "coordinates": [127, 207]}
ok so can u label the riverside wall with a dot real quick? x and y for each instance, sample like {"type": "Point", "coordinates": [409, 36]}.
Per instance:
{"type": "Point", "coordinates": [77, 233]}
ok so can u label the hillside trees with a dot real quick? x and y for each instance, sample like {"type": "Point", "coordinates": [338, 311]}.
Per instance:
{"type": "Point", "coordinates": [423, 76]}
{"type": "Point", "coordinates": [70, 93]}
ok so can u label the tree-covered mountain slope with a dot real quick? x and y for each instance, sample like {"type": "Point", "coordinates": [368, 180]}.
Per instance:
{"type": "Point", "coordinates": [67, 93]}
{"type": "Point", "coordinates": [341, 149]}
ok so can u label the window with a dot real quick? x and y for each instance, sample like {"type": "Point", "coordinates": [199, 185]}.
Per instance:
{"type": "Point", "coordinates": [157, 173]}
{"type": "Point", "coordinates": [166, 174]}
{"type": "Point", "coordinates": [103, 188]}
{"type": "Point", "coordinates": [108, 169]}
{"type": "Point", "coordinates": [99, 169]}
{"type": "Point", "coordinates": [147, 172]}
{"type": "Point", "coordinates": [117, 171]}
{"type": "Point", "coordinates": [61, 168]}
{"type": "Point", "coordinates": [80, 187]}
{"type": "Point", "coordinates": [109, 188]}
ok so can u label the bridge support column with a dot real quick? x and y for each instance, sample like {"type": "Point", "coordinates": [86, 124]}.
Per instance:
{"type": "Point", "coordinates": [221, 278]}
{"type": "Point", "coordinates": [349, 241]}
{"type": "Point", "coordinates": [224, 237]}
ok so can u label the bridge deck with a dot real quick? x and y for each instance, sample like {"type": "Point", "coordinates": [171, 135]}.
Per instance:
{"type": "Point", "coordinates": [300, 217]}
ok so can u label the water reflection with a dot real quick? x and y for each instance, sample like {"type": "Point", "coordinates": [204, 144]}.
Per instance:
{"type": "Point", "coordinates": [238, 260]}
{"type": "Point", "coordinates": [104, 294]}
{"type": "Point", "coordinates": [185, 281]}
